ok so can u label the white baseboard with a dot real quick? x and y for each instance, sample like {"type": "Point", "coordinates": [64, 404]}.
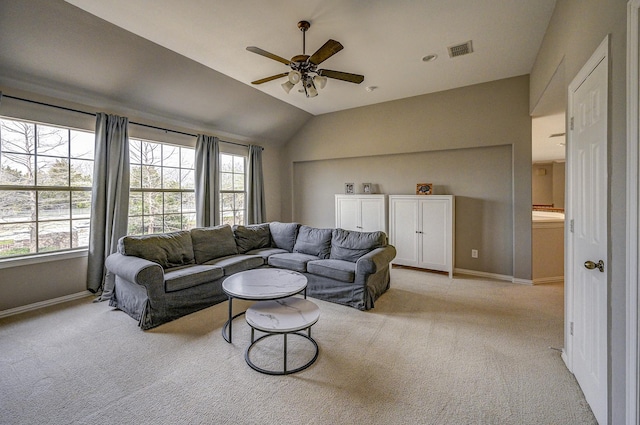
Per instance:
{"type": "Point", "coordinates": [548, 279]}
{"type": "Point", "coordinates": [46, 303]}
{"type": "Point", "coordinates": [522, 281]}
{"type": "Point", "coordinates": [484, 274]}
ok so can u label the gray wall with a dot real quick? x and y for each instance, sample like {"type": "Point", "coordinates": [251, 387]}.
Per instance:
{"type": "Point", "coordinates": [23, 285]}
{"type": "Point", "coordinates": [450, 125]}
{"type": "Point", "coordinates": [576, 29]}
{"type": "Point", "coordinates": [483, 194]}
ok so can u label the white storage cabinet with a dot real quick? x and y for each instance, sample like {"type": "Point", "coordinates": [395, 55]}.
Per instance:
{"type": "Point", "coordinates": [421, 227]}
{"type": "Point", "coordinates": [363, 213]}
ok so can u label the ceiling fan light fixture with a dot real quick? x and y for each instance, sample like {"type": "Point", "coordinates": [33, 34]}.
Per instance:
{"type": "Point", "coordinates": [287, 86]}
{"type": "Point", "coordinates": [320, 81]}
{"type": "Point", "coordinates": [295, 77]}
{"type": "Point", "coordinates": [304, 68]}
{"type": "Point", "coordinates": [309, 89]}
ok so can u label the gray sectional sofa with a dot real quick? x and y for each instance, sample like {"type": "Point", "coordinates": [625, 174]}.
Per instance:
{"type": "Point", "coordinates": [162, 277]}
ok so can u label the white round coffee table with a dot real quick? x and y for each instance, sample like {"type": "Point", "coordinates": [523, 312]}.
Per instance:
{"type": "Point", "coordinates": [260, 284]}
{"type": "Point", "coordinates": [285, 316]}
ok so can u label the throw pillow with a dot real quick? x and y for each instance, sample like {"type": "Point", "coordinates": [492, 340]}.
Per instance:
{"type": "Point", "coordinates": [251, 237]}
{"type": "Point", "coordinates": [349, 246]}
{"type": "Point", "coordinates": [167, 249]}
{"type": "Point", "coordinates": [283, 235]}
{"type": "Point", "coordinates": [213, 242]}
{"type": "Point", "coordinates": [312, 241]}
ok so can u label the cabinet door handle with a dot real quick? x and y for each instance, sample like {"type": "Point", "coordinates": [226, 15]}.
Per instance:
{"type": "Point", "coordinates": [417, 231]}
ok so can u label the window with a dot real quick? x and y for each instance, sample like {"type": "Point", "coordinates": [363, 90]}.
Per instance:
{"type": "Point", "coordinates": [232, 189]}
{"type": "Point", "coordinates": [46, 176]}
{"type": "Point", "coordinates": [162, 197]}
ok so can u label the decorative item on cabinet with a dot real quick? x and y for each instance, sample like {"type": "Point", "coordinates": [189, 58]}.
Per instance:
{"type": "Point", "coordinates": [424, 189]}
{"type": "Point", "coordinates": [367, 188]}
{"type": "Point", "coordinates": [422, 230]}
{"type": "Point", "coordinates": [349, 188]}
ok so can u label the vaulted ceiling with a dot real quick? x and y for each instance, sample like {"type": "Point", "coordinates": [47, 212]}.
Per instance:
{"type": "Point", "coordinates": [187, 60]}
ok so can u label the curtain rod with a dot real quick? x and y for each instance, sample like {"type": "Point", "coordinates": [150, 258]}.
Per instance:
{"type": "Point", "coordinates": [93, 114]}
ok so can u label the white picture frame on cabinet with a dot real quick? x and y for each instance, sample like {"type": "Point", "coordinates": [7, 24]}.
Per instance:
{"type": "Point", "coordinates": [349, 188]}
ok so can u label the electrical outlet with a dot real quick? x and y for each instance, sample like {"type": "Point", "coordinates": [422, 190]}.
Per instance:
{"type": "Point", "coordinates": [474, 253]}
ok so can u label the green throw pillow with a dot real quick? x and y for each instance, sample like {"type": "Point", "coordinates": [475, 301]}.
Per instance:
{"type": "Point", "coordinates": [253, 236]}
{"type": "Point", "coordinates": [213, 242]}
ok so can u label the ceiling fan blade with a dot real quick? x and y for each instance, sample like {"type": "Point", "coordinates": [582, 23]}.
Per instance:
{"type": "Point", "coordinates": [266, 54]}
{"type": "Point", "coordinates": [344, 76]}
{"type": "Point", "coordinates": [273, 77]}
{"type": "Point", "coordinates": [329, 49]}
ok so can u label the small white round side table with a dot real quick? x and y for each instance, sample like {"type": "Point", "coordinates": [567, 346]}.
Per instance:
{"type": "Point", "coordinates": [285, 317]}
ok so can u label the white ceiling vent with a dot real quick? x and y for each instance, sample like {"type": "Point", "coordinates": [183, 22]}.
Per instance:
{"type": "Point", "coordinates": [460, 49]}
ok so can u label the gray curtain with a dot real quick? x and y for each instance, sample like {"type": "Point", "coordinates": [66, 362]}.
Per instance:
{"type": "Point", "coordinates": [109, 199]}
{"type": "Point", "coordinates": [207, 181]}
{"type": "Point", "coordinates": [256, 211]}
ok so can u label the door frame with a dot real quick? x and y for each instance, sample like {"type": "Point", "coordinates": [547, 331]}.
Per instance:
{"type": "Point", "coordinates": [599, 55]}
{"type": "Point", "coordinates": [633, 218]}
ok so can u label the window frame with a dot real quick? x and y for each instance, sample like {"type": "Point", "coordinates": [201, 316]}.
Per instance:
{"type": "Point", "coordinates": [42, 252]}
{"type": "Point", "coordinates": [133, 191]}
{"type": "Point", "coordinates": [222, 192]}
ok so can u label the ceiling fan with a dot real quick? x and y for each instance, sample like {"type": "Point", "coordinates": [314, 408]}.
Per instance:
{"type": "Point", "coordinates": [304, 68]}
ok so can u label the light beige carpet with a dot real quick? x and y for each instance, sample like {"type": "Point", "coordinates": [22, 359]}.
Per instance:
{"type": "Point", "coordinates": [433, 351]}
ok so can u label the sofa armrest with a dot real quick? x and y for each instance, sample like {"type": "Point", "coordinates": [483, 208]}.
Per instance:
{"type": "Point", "coordinates": [375, 260]}
{"type": "Point", "coordinates": [135, 269]}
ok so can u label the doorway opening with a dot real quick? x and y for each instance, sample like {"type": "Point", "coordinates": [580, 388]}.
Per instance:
{"type": "Point", "coordinates": [548, 197]}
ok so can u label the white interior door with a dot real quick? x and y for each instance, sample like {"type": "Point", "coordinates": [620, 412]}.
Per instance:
{"type": "Point", "coordinates": [587, 308]}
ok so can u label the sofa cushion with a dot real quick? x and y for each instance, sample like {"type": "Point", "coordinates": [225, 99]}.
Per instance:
{"type": "Point", "coordinates": [167, 249]}
{"type": "Point", "coordinates": [312, 241]}
{"type": "Point", "coordinates": [252, 237]}
{"type": "Point", "coordinates": [344, 271]}
{"type": "Point", "coordinates": [237, 263]}
{"type": "Point", "coordinates": [189, 276]}
{"type": "Point", "coordinates": [349, 245]}
{"type": "Point", "coordinates": [266, 252]}
{"type": "Point", "coordinates": [291, 261]}
{"type": "Point", "coordinates": [213, 242]}
{"type": "Point", "coordinates": [283, 235]}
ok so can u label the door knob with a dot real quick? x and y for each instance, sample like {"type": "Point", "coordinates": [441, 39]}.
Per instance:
{"type": "Point", "coordinates": [591, 265]}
